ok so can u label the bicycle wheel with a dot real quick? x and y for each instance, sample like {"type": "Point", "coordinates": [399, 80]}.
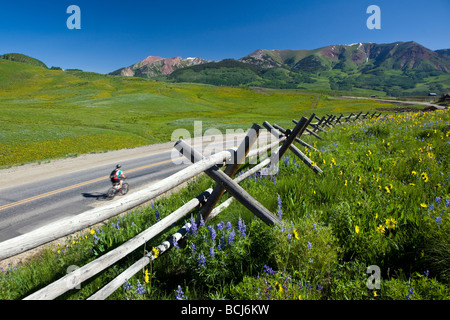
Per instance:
{"type": "Point", "coordinates": [110, 194]}
{"type": "Point", "coordinates": [125, 188]}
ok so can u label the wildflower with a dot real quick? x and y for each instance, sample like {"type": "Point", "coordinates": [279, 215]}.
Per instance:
{"type": "Point", "coordinates": [201, 260]}
{"type": "Point", "coordinates": [310, 260]}
{"type": "Point", "coordinates": [155, 252]}
{"type": "Point", "coordinates": [411, 292]}
{"type": "Point", "coordinates": [146, 276]}
{"type": "Point", "coordinates": [157, 215]}
{"type": "Point", "coordinates": [92, 231]}
{"type": "Point", "coordinates": [228, 226]}
{"type": "Point", "coordinates": [391, 223]}
{"type": "Point", "coordinates": [447, 202]}
{"type": "Point", "coordinates": [193, 228]}
{"type": "Point", "coordinates": [381, 229]}
{"type": "Point", "coordinates": [280, 211]}
{"type": "Point", "coordinates": [192, 247]}
{"type": "Point", "coordinates": [438, 220]}
{"type": "Point", "coordinates": [175, 243]}
{"type": "Point", "coordinates": [268, 270]}
{"type": "Point", "coordinates": [438, 199]}
{"type": "Point", "coordinates": [431, 207]}
{"type": "Point", "coordinates": [309, 245]}
{"type": "Point", "coordinates": [296, 234]}
{"type": "Point", "coordinates": [202, 222]}
{"type": "Point", "coordinates": [345, 183]}
{"type": "Point", "coordinates": [127, 285]}
{"type": "Point", "coordinates": [180, 294]}
{"type": "Point", "coordinates": [139, 288]}
{"type": "Point", "coordinates": [211, 252]}
{"type": "Point", "coordinates": [423, 205]}
{"type": "Point", "coordinates": [220, 226]}
{"type": "Point", "coordinates": [387, 189]}
{"type": "Point", "coordinates": [212, 232]}
{"type": "Point", "coordinates": [356, 229]}
{"type": "Point", "coordinates": [241, 227]}
{"type": "Point", "coordinates": [375, 294]}
{"type": "Point", "coordinates": [231, 236]}
{"type": "Point", "coordinates": [413, 173]}
{"type": "Point", "coordinates": [424, 176]}
{"type": "Point", "coordinates": [427, 273]}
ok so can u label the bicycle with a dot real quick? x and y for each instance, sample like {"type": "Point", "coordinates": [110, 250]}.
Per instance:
{"type": "Point", "coordinates": [115, 189]}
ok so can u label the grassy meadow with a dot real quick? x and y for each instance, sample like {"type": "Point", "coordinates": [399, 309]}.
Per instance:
{"type": "Point", "coordinates": [49, 114]}
{"type": "Point", "coordinates": [383, 200]}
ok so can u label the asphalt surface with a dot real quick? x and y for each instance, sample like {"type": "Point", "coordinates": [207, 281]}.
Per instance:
{"type": "Point", "coordinates": [27, 207]}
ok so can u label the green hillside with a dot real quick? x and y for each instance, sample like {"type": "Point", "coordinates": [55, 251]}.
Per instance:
{"type": "Point", "coordinates": [17, 57]}
{"type": "Point", "coordinates": [395, 69]}
{"type": "Point", "coordinates": [49, 114]}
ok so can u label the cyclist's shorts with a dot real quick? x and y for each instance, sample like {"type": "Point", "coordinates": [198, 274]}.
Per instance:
{"type": "Point", "coordinates": [115, 180]}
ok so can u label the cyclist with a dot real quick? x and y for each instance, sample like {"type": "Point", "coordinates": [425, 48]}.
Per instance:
{"type": "Point", "coordinates": [117, 176]}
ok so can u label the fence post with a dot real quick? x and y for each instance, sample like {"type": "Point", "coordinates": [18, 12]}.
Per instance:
{"type": "Point", "coordinates": [297, 139]}
{"type": "Point", "coordinates": [231, 170]}
{"type": "Point", "coordinates": [295, 150]}
{"type": "Point", "coordinates": [231, 186]}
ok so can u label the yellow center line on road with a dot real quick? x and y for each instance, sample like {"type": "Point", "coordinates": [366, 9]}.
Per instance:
{"type": "Point", "coordinates": [13, 204]}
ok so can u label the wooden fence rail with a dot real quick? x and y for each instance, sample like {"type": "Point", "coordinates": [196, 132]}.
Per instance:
{"type": "Point", "coordinates": [225, 182]}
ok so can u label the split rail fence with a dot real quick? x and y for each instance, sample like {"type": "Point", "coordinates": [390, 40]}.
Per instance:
{"type": "Point", "coordinates": [231, 159]}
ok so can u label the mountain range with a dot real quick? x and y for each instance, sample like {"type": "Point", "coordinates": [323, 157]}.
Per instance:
{"type": "Point", "coordinates": [392, 68]}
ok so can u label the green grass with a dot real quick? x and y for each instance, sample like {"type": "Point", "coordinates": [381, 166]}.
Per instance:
{"type": "Point", "coordinates": [48, 114]}
{"type": "Point", "coordinates": [383, 200]}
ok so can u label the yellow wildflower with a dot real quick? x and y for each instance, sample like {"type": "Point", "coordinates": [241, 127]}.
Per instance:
{"type": "Point", "coordinates": [391, 223]}
{"type": "Point", "coordinates": [155, 252]}
{"type": "Point", "coordinates": [345, 183]}
{"type": "Point", "coordinates": [296, 234]}
{"type": "Point", "coordinates": [146, 276]}
{"type": "Point", "coordinates": [356, 229]}
{"type": "Point", "coordinates": [423, 205]}
{"type": "Point", "coordinates": [387, 189]}
{"type": "Point", "coordinates": [375, 294]}
{"type": "Point", "coordinates": [381, 229]}
{"type": "Point", "coordinates": [92, 231]}
{"type": "Point", "coordinates": [424, 176]}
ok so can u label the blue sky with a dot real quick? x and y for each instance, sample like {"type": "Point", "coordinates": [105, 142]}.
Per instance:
{"type": "Point", "coordinates": [116, 34]}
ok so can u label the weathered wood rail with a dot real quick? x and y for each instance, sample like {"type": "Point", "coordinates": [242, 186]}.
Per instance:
{"type": "Point", "coordinates": [231, 159]}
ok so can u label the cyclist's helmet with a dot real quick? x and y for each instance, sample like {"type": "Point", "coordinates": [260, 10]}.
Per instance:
{"type": "Point", "coordinates": [118, 166]}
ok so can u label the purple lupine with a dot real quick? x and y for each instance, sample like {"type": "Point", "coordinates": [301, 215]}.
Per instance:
{"type": "Point", "coordinates": [193, 228]}
{"type": "Point", "coordinates": [139, 288]}
{"type": "Point", "coordinates": [241, 227]}
{"type": "Point", "coordinates": [201, 260]}
{"type": "Point", "coordinates": [280, 212]}
{"type": "Point", "coordinates": [212, 232]}
{"type": "Point", "coordinates": [180, 294]}
{"type": "Point", "coordinates": [231, 236]}
{"type": "Point", "coordinates": [220, 226]}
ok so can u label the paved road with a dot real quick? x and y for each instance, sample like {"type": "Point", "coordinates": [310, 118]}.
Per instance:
{"type": "Point", "coordinates": [29, 206]}
{"type": "Point", "coordinates": [32, 203]}
{"type": "Point", "coordinates": [399, 101]}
